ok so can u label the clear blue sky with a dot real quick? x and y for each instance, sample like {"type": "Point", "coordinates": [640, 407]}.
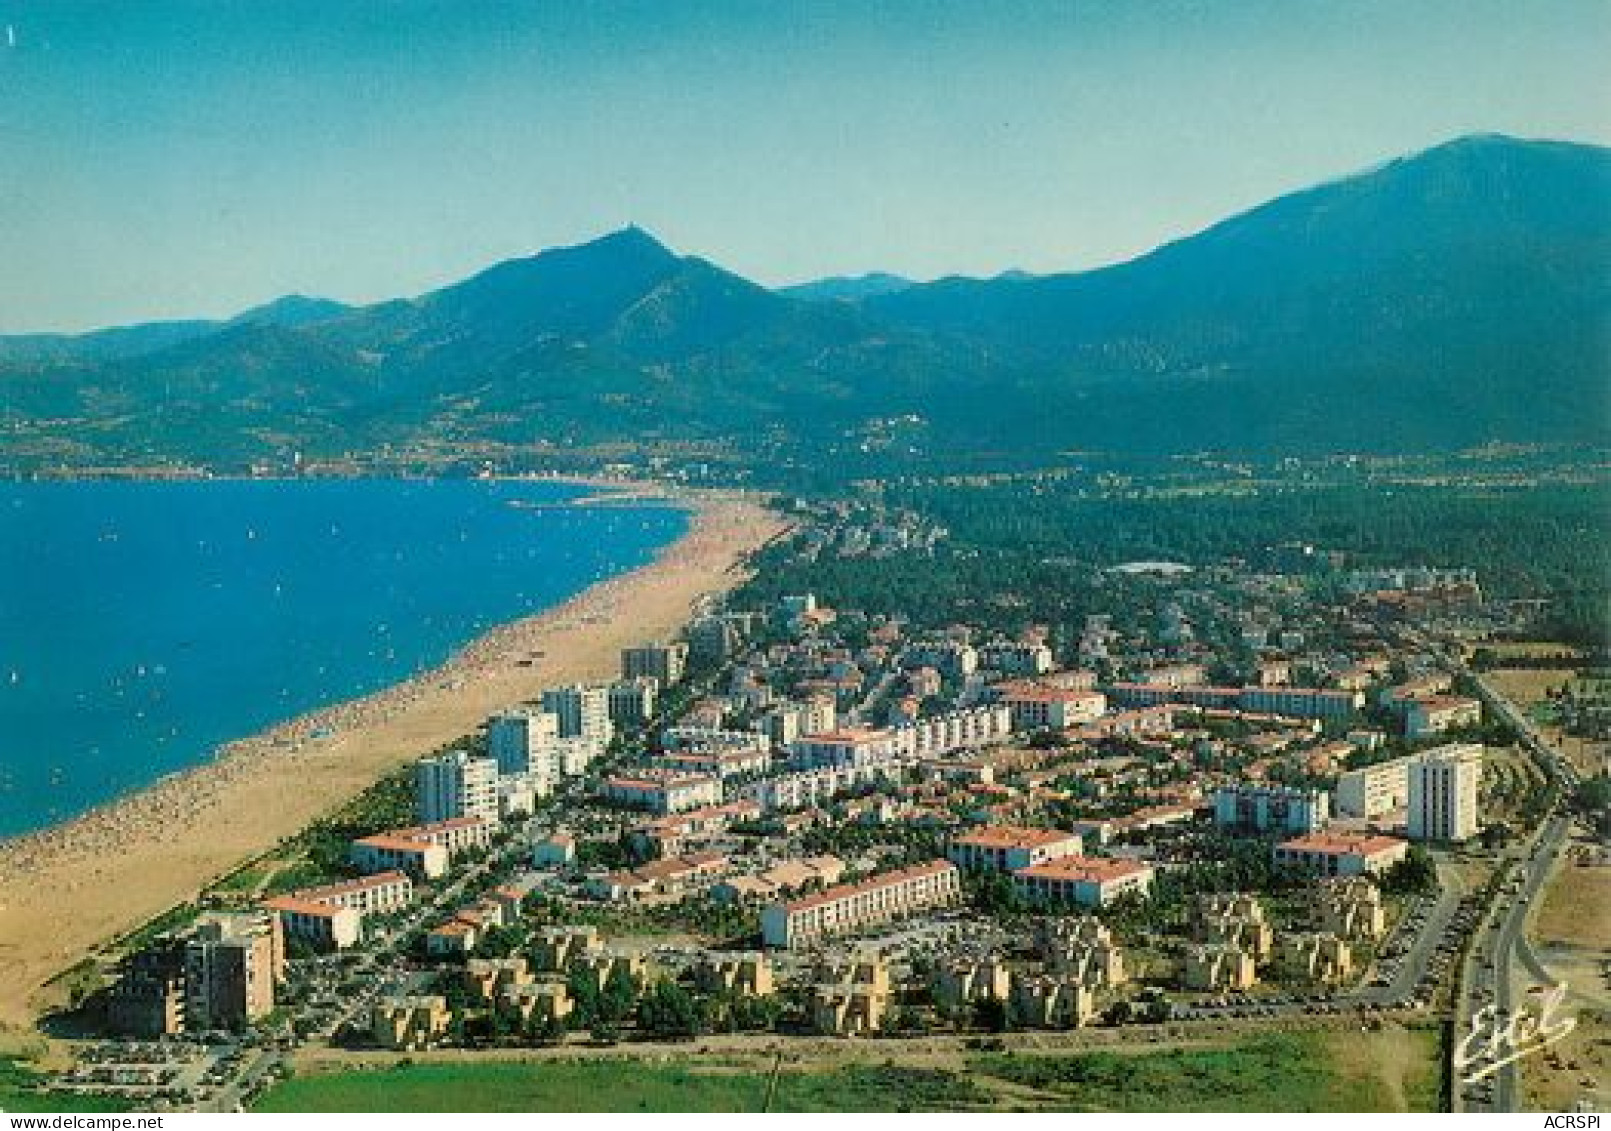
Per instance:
{"type": "Point", "coordinates": [162, 159]}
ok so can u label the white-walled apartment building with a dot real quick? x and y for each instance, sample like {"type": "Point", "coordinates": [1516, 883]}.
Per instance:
{"type": "Point", "coordinates": [1329, 855]}
{"type": "Point", "coordinates": [846, 748]}
{"type": "Point", "coordinates": [714, 740]}
{"type": "Point", "coordinates": [425, 851]}
{"type": "Point", "coordinates": [1052, 708]}
{"type": "Point", "coordinates": [584, 712]}
{"type": "Point", "coordinates": [333, 916]}
{"type": "Point", "coordinates": [667, 793]}
{"type": "Point", "coordinates": [1088, 881]}
{"type": "Point", "coordinates": [787, 722]}
{"type": "Point", "coordinates": [1271, 807]}
{"type": "Point", "coordinates": [524, 741]}
{"type": "Point", "coordinates": [1373, 790]}
{"type": "Point", "coordinates": [455, 784]}
{"type": "Point", "coordinates": [850, 907]}
{"type": "Point", "coordinates": [950, 657]}
{"type": "Point", "coordinates": [632, 701]}
{"type": "Point", "coordinates": [955, 730]}
{"type": "Point", "coordinates": [1443, 792]}
{"type": "Point", "coordinates": [810, 788]}
{"type": "Point", "coordinates": [664, 663]}
{"type": "Point", "coordinates": [1007, 848]}
{"type": "Point", "coordinates": [1302, 702]}
{"type": "Point", "coordinates": [389, 852]}
{"type": "Point", "coordinates": [1017, 657]}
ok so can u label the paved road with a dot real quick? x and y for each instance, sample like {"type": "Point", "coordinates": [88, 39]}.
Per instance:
{"type": "Point", "coordinates": [1503, 954]}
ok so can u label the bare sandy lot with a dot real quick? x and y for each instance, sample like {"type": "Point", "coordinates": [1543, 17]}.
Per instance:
{"type": "Point", "coordinates": [67, 889]}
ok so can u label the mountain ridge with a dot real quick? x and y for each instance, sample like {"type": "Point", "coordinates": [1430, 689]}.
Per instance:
{"type": "Point", "coordinates": [1452, 297]}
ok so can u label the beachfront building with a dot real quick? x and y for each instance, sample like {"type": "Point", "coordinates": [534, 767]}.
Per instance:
{"type": "Point", "coordinates": [1328, 854]}
{"type": "Point", "coordinates": [220, 973]}
{"type": "Point", "coordinates": [148, 998]}
{"type": "Point", "coordinates": [1007, 848]}
{"type": "Point", "coordinates": [1262, 808]}
{"type": "Point", "coordinates": [232, 963]}
{"type": "Point", "coordinates": [1085, 881]}
{"type": "Point", "coordinates": [455, 784]}
{"type": "Point", "coordinates": [388, 852]}
{"type": "Point", "coordinates": [525, 741]}
{"type": "Point", "coordinates": [663, 663]}
{"type": "Point", "coordinates": [584, 713]}
{"type": "Point", "coordinates": [1443, 792]}
{"type": "Point", "coordinates": [425, 852]}
{"type": "Point", "coordinates": [849, 907]}
{"type": "Point", "coordinates": [632, 701]}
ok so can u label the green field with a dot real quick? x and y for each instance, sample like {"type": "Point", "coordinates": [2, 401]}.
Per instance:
{"type": "Point", "coordinates": [1306, 1072]}
{"type": "Point", "coordinates": [1309, 1072]}
{"type": "Point", "coordinates": [617, 1085]}
{"type": "Point", "coordinates": [19, 1092]}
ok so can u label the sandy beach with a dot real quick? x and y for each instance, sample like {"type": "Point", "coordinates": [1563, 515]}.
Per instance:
{"type": "Point", "coordinates": [66, 889]}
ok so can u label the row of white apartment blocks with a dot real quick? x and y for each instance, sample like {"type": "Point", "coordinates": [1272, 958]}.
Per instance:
{"type": "Point", "coordinates": [932, 737]}
{"type": "Point", "coordinates": [530, 750]}
{"type": "Point", "coordinates": [824, 766]}
{"type": "Point", "coordinates": [716, 751]}
{"type": "Point", "coordinates": [1297, 702]}
{"type": "Point", "coordinates": [959, 659]}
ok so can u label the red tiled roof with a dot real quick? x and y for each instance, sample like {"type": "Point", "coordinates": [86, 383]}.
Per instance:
{"type": "Point", "coordinates": [1091, 869]}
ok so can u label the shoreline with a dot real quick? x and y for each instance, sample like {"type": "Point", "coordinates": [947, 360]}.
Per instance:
{"type": "Point", "coordinates": [67, 889]}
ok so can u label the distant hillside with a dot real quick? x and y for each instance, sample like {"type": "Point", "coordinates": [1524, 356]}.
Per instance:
{"type": "Point", "coordinates": [848, 287]}
{"type": "Point", "coordinates": [1450, 298]}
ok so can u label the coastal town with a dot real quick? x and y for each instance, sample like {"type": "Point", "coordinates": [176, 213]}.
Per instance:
{"type": "Point", "coordinates": [1244, 800]}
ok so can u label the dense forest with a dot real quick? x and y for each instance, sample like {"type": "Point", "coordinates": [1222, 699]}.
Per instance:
{"type": "Point", "coordinates": [1033, 545]}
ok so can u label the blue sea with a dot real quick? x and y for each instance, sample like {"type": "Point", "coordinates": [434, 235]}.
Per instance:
{"type": "Point", "coordinates": [144, 624]}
